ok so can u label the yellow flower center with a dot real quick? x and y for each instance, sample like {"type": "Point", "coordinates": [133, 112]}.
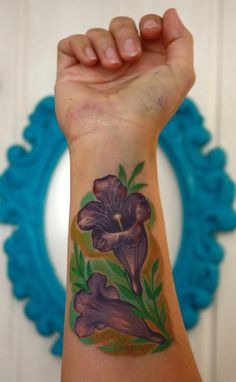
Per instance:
{"type": "Point", "coordinates": [117, 218]}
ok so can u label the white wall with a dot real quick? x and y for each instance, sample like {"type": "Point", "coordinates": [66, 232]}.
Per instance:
{"type": "Point", "coordinates": [29, 32]}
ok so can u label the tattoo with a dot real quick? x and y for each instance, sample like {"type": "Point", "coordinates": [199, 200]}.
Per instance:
{"type": "Point", "coordinates": [117, 302]}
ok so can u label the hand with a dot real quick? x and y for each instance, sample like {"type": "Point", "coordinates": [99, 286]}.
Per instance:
{"type": "Point", "coordinates": [118, 86]}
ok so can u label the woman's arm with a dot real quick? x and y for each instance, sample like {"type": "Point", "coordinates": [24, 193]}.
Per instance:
{"type": "Point", "coordinates": [122, 318]}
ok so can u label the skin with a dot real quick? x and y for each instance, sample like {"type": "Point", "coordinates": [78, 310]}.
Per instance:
{"type": "Point", "coordinates": [111, 111]}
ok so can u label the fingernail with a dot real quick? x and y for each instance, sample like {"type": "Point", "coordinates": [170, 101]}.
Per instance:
{"type": "Point", "coordinates": [112, 55]}
{"type": "Point", "coordinates": [130, 47]}
{"type": "Point", "coordinates": [89, 52]}
{"type": "Point", "coordinates": [150, 23]}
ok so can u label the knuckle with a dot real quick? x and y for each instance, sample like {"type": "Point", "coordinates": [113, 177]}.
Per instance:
{"type": "Point", "coordinates": [61, 43]}
{"type": "Point", "coordinates": [95, 31]}
{"type": "Point", "coordinates": [72, 38]}
{"type": "Point", "coordinates": [121, 21]}
{"type": "Point", "coordinates": [78, 36]}
{"type": "Point", "coordinates": [149, 16]}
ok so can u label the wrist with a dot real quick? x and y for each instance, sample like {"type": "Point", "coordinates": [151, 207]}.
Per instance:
{"type": "Point", "coordinates": [105, 150]}
{"type": "Point", "coordinates": [103, 156]}
{"type": "Point", "coordinates": [112, 138]}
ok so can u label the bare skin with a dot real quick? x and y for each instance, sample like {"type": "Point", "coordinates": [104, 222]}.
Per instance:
{"type": "Point", "coordinates": [111, 108]}
{"type": "Point", "coordinates": [149, 84]}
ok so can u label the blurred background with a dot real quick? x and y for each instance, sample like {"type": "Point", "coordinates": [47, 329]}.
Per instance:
{"type": "Point", "coordinates": [29, 32]}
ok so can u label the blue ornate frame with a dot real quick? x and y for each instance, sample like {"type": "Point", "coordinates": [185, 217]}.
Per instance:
{"type": "Point", "coordinates": [207, 197]}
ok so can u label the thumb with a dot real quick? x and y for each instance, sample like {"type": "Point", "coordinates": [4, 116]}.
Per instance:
{"type": "Point", "coordinates": [178, 42]}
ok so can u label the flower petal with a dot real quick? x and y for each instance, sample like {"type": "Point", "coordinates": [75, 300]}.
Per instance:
{"type": "Point", "coordinates": [84, 303]}
{"type": "Point", "coordinates": [97, 285]}
{"type": "Point", "coordinates": [92, 216]}
{"type": "Point", "coordinates": [105, 241]}
{"type": "Point", "coordinates": [137, 208]}
{"type": "Point", "coordinates": [110, 190]}
{"type": "Point", "coordinates": [81, 301]}
{"type": "Point", "coordinates": [102, 310]}
{"type": "Point", "coordinates": [85, 327]}
{"type": "Point", "coordinates": [143, 211]}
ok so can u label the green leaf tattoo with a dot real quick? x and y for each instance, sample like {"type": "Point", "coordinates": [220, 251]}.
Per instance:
{"type": "Point", "coordinates": [136, 171]}
{"type": "Point", "coordinates": [122, 175]}
{"type": "Point", "coordinates": [89, 197]}
{"type": "Point", "coordinates": [116, 269]}
{"type": "Point", "coordinates": [136, 187]}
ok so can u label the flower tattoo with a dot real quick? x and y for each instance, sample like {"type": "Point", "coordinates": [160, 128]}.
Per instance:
{"type": "Point", "coordinates": [102, 308]}
{"type": "Point", "coordinates": [117, 220]}
{"type": "Point", "coordinates": [117, 301]}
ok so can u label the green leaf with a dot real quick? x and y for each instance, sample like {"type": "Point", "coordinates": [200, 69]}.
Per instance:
{"type": "Point", "coordinates": [151, 310]}
{"type": "Point", "coordinates": [162, 346]}
{"type": "Point", "coordinates": [89, 197]}
{"type": "Point", "coordinates": [73, 274]}
{"type": "Point", "coordinates": [81, 262]}
{"type": "Point", "coordinates": [72, 314]}
{"type": "Point", "coordinates": [138, 312]}
{"type": "Point", "coordinates": [126, 292]}
{"type": "Point", "coordinates": [89, 269]}
{"type": "Point", "coordinates": [77, 261]}
{"type": "Point", "coordinates": [139, 302]}
{"type": "Point", "coordinates": [136, 171]}
{"type": "Point", "coordinates": [81, 285]}
{"type": "Point", "coordinates": [122, 175]}
{"type": "Point", "coordinates": [147, 289]}
{"type": "Point", "coordinates": [86, 340]}
{"type": "Point", "coordinates": [111, 347]}
{"type": "Point", "coordinates": [136, 187]}
{"type": "Point", "coordinates": [163, 313]}
{"type": "Point", "coordinates": [116, 269]}
{"type": "Point", "coordinates": [77, 271]}
{"type": "Point", "coordinates": [155, 267]}
{"type": "Point", "coordinates": [139, 340]}
{"type": "Point", "coordinates": [157, 291]}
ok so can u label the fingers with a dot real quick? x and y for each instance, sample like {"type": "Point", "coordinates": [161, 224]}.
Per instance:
{"type": "Point", "coordinates": [127, 38]}
{"type": "Point", "coordinates": [98, 44]}
{"type": "Point", "coordinates": [178, 42]}
{"type": "Point", "coordinates": [121, 43]}
{"type": "Point", "coordinates": [105, 47]}
{"type": "Point", "coordinates": [74, 49]}
{"type": "Point", "coordinates": [150, 26]}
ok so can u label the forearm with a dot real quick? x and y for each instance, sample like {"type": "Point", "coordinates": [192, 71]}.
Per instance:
{"type": "Point", "coordinates": [96, 156]}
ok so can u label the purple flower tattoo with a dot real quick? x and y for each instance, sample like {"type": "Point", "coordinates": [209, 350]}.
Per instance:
{"type": "Point", "coordinates": [102, 308]}
{"type": "Point", "coordinates": [117, 223]}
